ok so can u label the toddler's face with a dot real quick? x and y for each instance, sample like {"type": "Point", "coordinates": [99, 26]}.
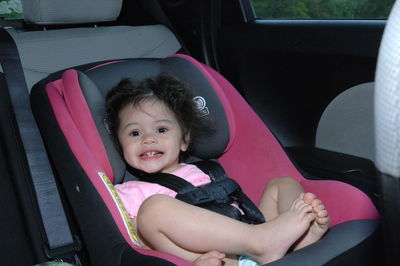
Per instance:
{"type": "Point", "coordinates": [151, 137]}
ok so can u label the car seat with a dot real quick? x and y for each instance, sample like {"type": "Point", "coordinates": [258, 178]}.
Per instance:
{"type": "Point", "coordinates": [69, 108]}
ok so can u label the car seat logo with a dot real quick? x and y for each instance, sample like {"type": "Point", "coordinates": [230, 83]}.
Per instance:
{"type": "Point", "coordinates": [200, 103]}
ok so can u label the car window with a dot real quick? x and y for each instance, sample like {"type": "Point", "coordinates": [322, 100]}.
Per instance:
{"type": "Point", "coordinates": [322, 9]}
{"type": "Point", "coordinates": [11, 9]}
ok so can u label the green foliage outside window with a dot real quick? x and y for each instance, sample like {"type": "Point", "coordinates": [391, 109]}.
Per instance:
{"type": "Point", "coordinates": [11, 9]}
{"type": "Point", "coordinates": [323, 9]}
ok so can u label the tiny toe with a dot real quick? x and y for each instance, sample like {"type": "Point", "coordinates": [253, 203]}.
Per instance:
{"type": "Point", "coordinates": [319, 208]}
{"type": "Point", "coordinates": [297, 203]}
{"type": "Point", "coordinates": [322, 213]}
{"type": "Point", "coordinates": [316, 202]}
{"type": "Point", "coordinates": [309, 197]}
{"type": "Point", "coordinates": [305, 208]}
{"type": "Point", "coordinates": [310, 217]}
{"type": "Point", "coordinates": [323, 221]}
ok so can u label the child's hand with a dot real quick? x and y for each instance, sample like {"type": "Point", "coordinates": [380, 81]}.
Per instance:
{"type": "Point", "coordinates": [212, 258]}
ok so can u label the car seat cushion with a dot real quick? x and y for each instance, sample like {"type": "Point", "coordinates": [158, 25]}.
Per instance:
{"type": "Point", "coordinates": [189, 75]}
{"type": "Point", "coordinates": [80, 114]}
{"type": "Point", "coordinates": [78, 89]}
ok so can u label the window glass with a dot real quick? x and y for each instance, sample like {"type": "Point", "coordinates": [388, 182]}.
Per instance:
{"type": "Point", "coordinates": [322, 9]}
{"type": "Point", "coordinates": [10, 9]}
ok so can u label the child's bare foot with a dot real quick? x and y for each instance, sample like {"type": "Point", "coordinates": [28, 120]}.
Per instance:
{"type": "Point", "coordinates": [279, 234]}
{"type": "Point", "coordinates": [319, 226]}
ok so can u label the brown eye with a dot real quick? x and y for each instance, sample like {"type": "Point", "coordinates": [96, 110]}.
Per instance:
{"type": "Point", "coordinates": [162, 130]}
{"type": "Point", "coordinates": [134, 133]}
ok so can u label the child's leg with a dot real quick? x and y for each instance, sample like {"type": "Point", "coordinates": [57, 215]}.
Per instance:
{"type": "Point", "coordinates": [278, 196]}
{"type": "Point", "coordinates": [184, 230]}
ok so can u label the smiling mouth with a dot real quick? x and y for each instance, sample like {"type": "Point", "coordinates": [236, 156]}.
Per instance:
{"type": "Point", "coordinates": [151, 154]}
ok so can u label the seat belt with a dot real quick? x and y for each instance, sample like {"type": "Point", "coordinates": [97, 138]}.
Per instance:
{"type": "Point", "coordinates": [33, 161]}
{"type": "Point", "coordinates": [215, 196]}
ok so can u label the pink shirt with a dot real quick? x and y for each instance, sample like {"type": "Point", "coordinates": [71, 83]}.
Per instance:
{"type": "Point", "coordinates": [133, 193]}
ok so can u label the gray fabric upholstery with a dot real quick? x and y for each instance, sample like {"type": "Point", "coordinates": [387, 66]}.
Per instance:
{"type": "Point", "coordinates": [71, 11]}
{"type": "Point", "coordinates": [347, 124]}
{"type": "Point", "coordinates": [387, 98]}
{"type": "Point", "coordinates": [96, 105]}
{"type": "Point", "coordinates": [45, 52]}
{"type": "Point", "coordinates": [97, 82]}
{"type": "Point", "coordinates": [211, 146]}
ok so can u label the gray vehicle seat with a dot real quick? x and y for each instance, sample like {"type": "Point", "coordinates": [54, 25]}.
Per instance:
{"type": "Point", "coordinates": [46, 51]}
{"type": "Point", "coordinates": [347, 124]}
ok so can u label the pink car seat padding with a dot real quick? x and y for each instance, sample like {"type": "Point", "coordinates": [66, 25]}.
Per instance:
{"type": "Point", "coordinates": [105, 64]}
{"type": "Point", "coordinates": [89, 163]}
{"type": "Point", "coordinates": [343, 201]}
{"type": "Point", "coordinates": [81, 115]}
{"type": "Point", "coordinates": [221, 96]}
{"type": "Point", "coordinates": [269, 160]}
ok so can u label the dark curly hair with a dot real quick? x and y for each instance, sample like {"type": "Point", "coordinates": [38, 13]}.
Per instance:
{"type": "Point", "coordinates": [166, 89]}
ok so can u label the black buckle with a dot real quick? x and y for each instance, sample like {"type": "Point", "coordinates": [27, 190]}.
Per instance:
{"type": "Point", "coordinates": [61, 252]}
{"type": "Point", "coordinates": [219, 192]}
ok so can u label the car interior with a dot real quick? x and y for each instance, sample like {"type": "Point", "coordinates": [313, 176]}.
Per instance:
{"type": "Point", "coordinates": [298, 97]}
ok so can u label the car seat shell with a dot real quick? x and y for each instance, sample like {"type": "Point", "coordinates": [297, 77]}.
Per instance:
{"type": "Point", "coordinates": [268, 161]}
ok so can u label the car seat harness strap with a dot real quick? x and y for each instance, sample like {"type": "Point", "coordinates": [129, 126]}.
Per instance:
{"type": "Point", "coordinates": [222, 195]}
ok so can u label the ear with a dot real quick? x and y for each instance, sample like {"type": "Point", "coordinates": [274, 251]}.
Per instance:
{"type": "Point", "coordinates": [185, 142]}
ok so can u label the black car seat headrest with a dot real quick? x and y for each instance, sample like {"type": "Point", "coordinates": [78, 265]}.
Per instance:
{"type": "Point", "coordinates": [97, 81]}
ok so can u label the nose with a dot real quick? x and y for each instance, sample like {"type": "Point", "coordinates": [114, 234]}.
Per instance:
{"type": "Point", "coordinates": [149, 139]}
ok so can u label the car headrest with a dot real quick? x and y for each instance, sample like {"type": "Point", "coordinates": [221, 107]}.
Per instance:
{"type": "Point", "coordinates": [96, 82]}
{"type": "Point", "coordinates": [47, 12]}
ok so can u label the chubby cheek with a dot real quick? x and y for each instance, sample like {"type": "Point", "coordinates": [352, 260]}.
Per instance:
{"type": "Point", "coordinates": [130, 156]}
{"type": "Point", "coordinates": [129, 159]}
